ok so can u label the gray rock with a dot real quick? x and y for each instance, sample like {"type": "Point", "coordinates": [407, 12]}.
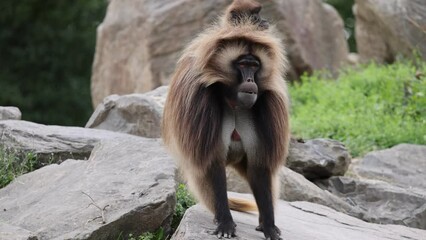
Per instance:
{"type": "Point", "coordinates": [318, 158]}
{"type": "Point", "coordinates": [297, 221]}
{"type": "Point", "coordinates": [403, 165]}
{"type": "Point", "coordinates": [131, 179]}
{"type": "Point", "coordinates": [381, 202]}
{"type": "Point", "coordinates": [386, 29]}
{"type": "Point", "coordinates": [52, 144]}
{"type": "Point", "coordinates": [9, 232]}
{"type": "Point", "coordinates": [311, 29]}
{"type": "Point", "coordinates": [138, 46]}
{"type": "Point", "coordinates": [10, 113]}
{"type": "Point", "coordinates": [295, 187]}
{"type": "Point", "coordinates": [137, 114]}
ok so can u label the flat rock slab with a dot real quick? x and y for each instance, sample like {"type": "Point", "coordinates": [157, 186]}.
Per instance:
{"type": "Point", "coordinates": [52, 144]}
{"type": "Point", "coordinates": [297, 221]}
{"type": "Point", "coordinates": [403, 165]}
{"type": "Point", "coordinates": [132, 180]}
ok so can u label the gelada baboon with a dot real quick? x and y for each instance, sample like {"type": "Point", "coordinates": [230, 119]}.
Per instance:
{"type": "Point", "coordinates": [228, 105]}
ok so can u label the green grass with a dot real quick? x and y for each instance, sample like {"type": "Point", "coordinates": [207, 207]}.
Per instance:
{"type": "Point", "coordinates": [14, 164]}
{"type": "Point", "coordinates": [372, 107]}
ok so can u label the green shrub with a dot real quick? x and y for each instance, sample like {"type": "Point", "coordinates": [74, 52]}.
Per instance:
{"type": "Point", "coordinates": [369, 108]}
{"type": "Point", "coordinates": [13, 164]}
{"type": "Point", "coordinates": [184, 200]}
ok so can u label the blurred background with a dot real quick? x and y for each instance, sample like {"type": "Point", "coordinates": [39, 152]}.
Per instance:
{"type": "Point", "coordinates": [357, 68]}
{"type": "Point", "coordinates": [46, 53]}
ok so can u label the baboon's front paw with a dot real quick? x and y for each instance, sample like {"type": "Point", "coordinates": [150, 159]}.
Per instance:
{"type": "Point", "coordinates": [271, 233]}
{"type": "Point", "coordinates": [225, 229]}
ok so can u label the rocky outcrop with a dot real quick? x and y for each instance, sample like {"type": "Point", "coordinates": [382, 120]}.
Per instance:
{"type": "Point", "coordinates": [138, 43]}
{"type": "Point", "coordinates": [382, 202]}
{"type": "Point", "coordinates": [297, 221]}
{"type": "Point", "coordinates": [126, 186]}
{"type": "Point", "coordinates": [403, 165]}
{"type": "Point", "coordinates": [318, 158]}
{"type": "Point", "coordinates": [385, 29]}
{"type": "Point", "coordinates": [294, 187]}
{"type": "Point", "coordinates": [136, 114]}
{"type": "Point", "coordinates": [10, 113]}
{"type": "Point", "coordinates": [314, 34]}
{"type": "Point", "coordinates": [52, 144]}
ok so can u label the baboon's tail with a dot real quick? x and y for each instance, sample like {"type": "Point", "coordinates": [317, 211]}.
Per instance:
{"type": "Point", "coordinates": [242, 205]}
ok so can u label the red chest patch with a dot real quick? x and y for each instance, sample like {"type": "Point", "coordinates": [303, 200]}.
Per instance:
{"type": "Point", "coordinates": [235, 136]}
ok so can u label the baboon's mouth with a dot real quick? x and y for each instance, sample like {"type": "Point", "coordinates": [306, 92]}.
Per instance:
{"type": "Point", "coordinates": [248, 87]}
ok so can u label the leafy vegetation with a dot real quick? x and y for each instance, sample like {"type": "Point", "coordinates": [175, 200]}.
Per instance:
{"type": "Point", "coordinates": [14, 164]}
{"type": "Point", "coordinates": [184, 200]}
{"type": "Point", "coordinates": [47, 48]}
{"type": "Point", "coordinates": [368, 108]}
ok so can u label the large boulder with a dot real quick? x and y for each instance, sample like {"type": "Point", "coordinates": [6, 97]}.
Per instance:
{"type": "Point", "coordinates": [318, 158]}
{"type": "Point", "coordinates": [403, 165]}
{"type": "Point", "coordinates": [137, 114]}
{"type": "Point", "coordinates": [314, 35]}
{"type": "Point", "coordinates": [382, 202]}
{"type": "Point", "coordinates": [387, 28]}
{"type": "Point", "coordinates": [126, 186]}
{"type": "Point", "coordinates": [10, 113]}
{"type": "Point", "coordinates": [139, 42]}
{"type": "Point", "coordinates": [52, 144]}
{"type": "Point", "coordinates": [295, 187]}
{"type": "Point", "coordinates": [297, 221]}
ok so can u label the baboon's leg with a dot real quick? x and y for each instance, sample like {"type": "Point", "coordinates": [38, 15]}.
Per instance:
{"type": "Point", "coordinates": [212, 191]}
{"type": "Point", "coordinates": [261, 182]}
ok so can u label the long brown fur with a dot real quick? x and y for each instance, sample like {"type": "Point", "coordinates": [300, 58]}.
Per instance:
{"type": "Point", "coordinates": [192, 121]}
